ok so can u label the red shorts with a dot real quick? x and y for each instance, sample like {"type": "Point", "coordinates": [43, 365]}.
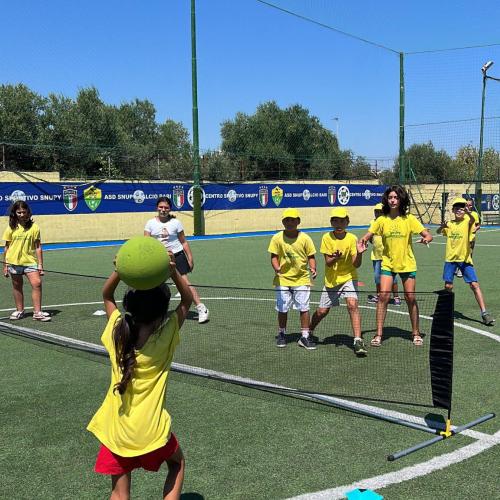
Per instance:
{"type": "Point", "coordinates": [110, 463]}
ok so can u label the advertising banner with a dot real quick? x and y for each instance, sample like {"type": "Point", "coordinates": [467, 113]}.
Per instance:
{"type": "Point", "coordinates": [114, 197]}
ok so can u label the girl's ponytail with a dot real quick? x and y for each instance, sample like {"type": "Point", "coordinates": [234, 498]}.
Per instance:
{"type": "Point", "coordinates": [125, 339]}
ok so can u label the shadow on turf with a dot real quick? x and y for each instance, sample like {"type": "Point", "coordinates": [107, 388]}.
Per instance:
{"type": "Point", "coordinates": [343, 340]}
{"type": "Point", "coordinates": [459, 315]}
{"type": "Point", "coordinates": [192, 496]}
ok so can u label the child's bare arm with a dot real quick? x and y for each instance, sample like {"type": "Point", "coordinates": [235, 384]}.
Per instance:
{"type": "Point", "coordinates": [332, 258]}
{"type": "Point", "coordinates": [426, 237]}
{"type": "Point", "coordinates": [108, 293]}
{"type": "Point", "coordinates": [275, 262]}
{"type": "Point", "coordinates": [443, 226]}
{"type": "Point", "coordinates": [312, 266]}
{"type": "Point", "coordinates": [39, 256]}
{"type": "Point", "coordinates": [5, 266]}
{"type": "Point", "coordinates": [357, 258]}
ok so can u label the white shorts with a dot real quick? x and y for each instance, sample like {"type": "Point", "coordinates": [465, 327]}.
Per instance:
{"type": "Point", "coordinates": [296, 296]}
{"type": "Point", "coordinates": [331, 296]}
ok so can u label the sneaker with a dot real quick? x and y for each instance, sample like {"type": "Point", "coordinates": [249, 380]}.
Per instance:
{"type": "Point", "coordinates": [372, 299]}
{"type": "Point", "coordinates": [41, 316]}
{"type": "Point", "coordinates": [306, 343]}
{"type": "Point", "coordinates": [359, 348]}
{"type": "Point", "coordinates": [202, 313]}
{"type": "Point", "coordinates": [488, 319]}
{"type": "Point", "coordinates": [16, 315]}
{"type": "Point", "coordinates": [397, 301]}
{"type": "Point", "coordinates": [280, 340]}
{"type": "Point", "coordinates": [458, 273]}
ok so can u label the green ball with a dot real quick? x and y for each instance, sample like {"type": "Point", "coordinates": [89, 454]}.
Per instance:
{"type": "Point", "coordinates": [143, 263]}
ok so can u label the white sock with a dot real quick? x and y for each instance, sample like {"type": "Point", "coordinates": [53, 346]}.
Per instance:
{"type": "Point", "coordinates": [304, 332]}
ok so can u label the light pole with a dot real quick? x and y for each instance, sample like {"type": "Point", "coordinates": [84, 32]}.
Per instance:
{"type": "Point", "coordinates": [336, 120]}
{"type": "Point", "coordinates": [479, 173]}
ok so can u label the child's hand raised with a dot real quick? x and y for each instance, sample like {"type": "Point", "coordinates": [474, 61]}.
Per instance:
{"type": "Point", "coordinates": [361, 246]}
{"type": "Point", "coordinates": [336, 255]}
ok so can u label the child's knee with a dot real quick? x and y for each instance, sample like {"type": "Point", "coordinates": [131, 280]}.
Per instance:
{"type": "Point", "coordinates": [321, 312]}
{"type": "Point", "coordinates": [474, 286]}
{"type": "Point", "coordinates": [448, 286]}
{"type": "Point", "coordinates": [352, 305]}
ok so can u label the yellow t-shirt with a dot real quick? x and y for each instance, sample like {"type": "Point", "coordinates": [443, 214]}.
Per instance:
{"type": "Point", "coordinates": [458, 241]}
{"type": "Point", "coordinates": [396, 235]}
{"type": "Point", "coordinates": [343, 270]}
{"type": "Point", "coordinates": [475, 216]}
{"type": "Point", "coordinates": [136, 422]}
{"type": "Point", "coordinates": [21, 251]}
{"type": "Point", "coordinates": [378, 246]}
{"type": "Point", "coordinates": [293, 256]}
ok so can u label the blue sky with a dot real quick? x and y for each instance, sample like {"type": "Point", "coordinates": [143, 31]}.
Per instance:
{"type": "Point", "coordinates": [249, 53]}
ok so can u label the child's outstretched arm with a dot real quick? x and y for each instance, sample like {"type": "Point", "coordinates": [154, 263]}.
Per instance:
{"type": "Point", "coordinates": [186, 296]}
{"type": "Point", "coordinates": [108, 293]}
{"type": "Point", "coordinates": [426, 237]}
{"type": "Point", "coordinates": [443, 226]}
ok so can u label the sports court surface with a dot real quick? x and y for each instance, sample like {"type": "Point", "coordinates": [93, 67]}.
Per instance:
{"type": "Point", "coordinates": [241, 442]}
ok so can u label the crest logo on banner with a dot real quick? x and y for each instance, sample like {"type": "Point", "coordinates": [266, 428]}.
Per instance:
{"type": "Point", "coordinates": [263, 196]}
{"type": "Point", "coordinates": [277, 195]}
{"type": "Point", "coordinates": [139, 196]}
{"type": "Point", "coordinates": [178, 196]}
{"type": "Point", "coordinates": [70, 197]}
{"type": "Point", "coordinates": [306, 194]}
{"type": "Point", "coordinates": [344, 195]}
{"type": "Point", "coordinates": [190, 196]}
{"type": "Point", "coordinates": [495, 202]}
{"type": "Point", "coordinates": [92, 196]}
{"type": "Point", "coordinates": [17, 195]}
{"type": "Point", "coordinates": [332, 195]}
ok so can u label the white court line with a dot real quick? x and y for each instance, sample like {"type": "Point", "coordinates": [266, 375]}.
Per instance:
{"type": "Point", "coordinates": [407, 473]}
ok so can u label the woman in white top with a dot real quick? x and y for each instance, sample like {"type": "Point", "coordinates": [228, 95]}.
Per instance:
{"type": "Point", "coordinates": [170, 232]}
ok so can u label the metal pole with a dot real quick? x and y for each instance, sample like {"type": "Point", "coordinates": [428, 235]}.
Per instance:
{"type": "Point", "coordinates": [197, 221]}
{"type": "Point", "coordinates": [479, 173]}
{"type": "Point", "coordinates": [336, 119]}
{"type": "Point", "coordinates": [3, 156]}
{"type": "Point", "coordinates": [402, 176]}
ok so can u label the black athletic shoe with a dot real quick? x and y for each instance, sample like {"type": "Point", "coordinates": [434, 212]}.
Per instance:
{"type": "Point", "coordinates": [306, 343]}
{"type": "Point", "coordinates": [280, 340]}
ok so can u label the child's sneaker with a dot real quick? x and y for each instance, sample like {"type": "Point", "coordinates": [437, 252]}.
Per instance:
{"type": "Point", "coordinates": [372, 299]}
{"type": "Point", "coordinates": [41, 316]}
{"type": "Point", "coordinates": [306, 343]}
{"type": "Point", "coordinates": [359, 347]}
{"type": "Point", "coordinates": [397, 301]}
{"type": "Point", "coordinates": [488, 319]}
{"type": "Point", "coordinates": [280, 340]}
{"type": "Point", "coordinates": [202, 313]}
{"type": "Point", "coordinates": [16, 315]}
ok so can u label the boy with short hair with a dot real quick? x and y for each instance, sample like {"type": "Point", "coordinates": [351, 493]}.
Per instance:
{"type": "Point", "coordinates": [292, 257]}
{"type": "Point", "coordinates": [376, 257]}
{"type": "Point", "coordinates": [343, 255]}
{"type": "Point", "coordinates": [459, 253]}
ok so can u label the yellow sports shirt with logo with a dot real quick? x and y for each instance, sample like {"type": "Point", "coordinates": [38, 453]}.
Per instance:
{"type": "Point", "coordinates": [293, 256]}
{"type": "Point", "coordinates": [21, 251]}
{"type": "Point", "coordinates": [396, 235]}
{"type": "Point", "coordinates": [136, 422]}
{"type": "Point", "coordinates": [343, 270]}
{"type": "Point", "coordinates": [458, 241]}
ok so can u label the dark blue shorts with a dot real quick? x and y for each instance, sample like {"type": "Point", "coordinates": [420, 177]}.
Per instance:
{"type": "Point", "coordinates": [468, 271]}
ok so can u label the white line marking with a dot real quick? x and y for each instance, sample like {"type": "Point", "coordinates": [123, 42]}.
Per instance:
{"type": "Point", "coordinates": [407, 473]}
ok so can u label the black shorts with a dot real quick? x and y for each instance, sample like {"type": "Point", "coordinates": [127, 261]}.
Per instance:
{"type": "Point", "coordinates": [181, 262]}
